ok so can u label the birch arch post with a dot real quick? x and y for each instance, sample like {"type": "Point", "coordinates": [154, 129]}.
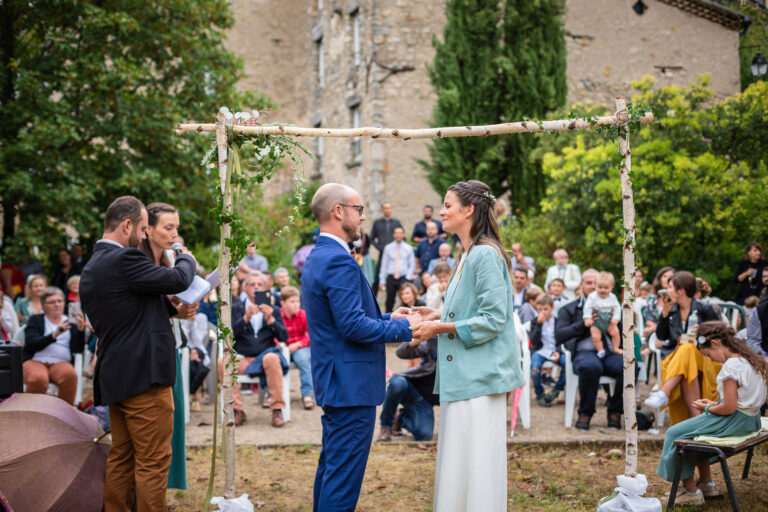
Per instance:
{"type": "Point", "coordinates": [617, 126]}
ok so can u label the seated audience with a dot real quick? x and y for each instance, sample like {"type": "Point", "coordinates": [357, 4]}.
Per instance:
{"type": "Point", "coordinates": [749, 273]}
{"type": "Point", "coordinates": [413, 389]}
{"type": "Point", "coordinates": [73, 289]}
{"type": "Point", "coordinates": [686, 375]}
{"type": "Point", "coordinates": [282, 279]}
{"type": "Point", "coordinates": [295, 320]}
{"type": "Point", "coordinates": [543, 342]}
{"type": "Point", "coordinates": [567, 272]}
{"type": "Point", "coordinates": [603, 302]}
{"type": "Point", "coordinates": [255, 328]}
{"type": "Point", "coordinates": [31, 303]}
{"type": "Point", "coordinates": [436, 291]}
{"type": "Point", "coordinates": [410, 298]}
{"type": "Point", "coordinates": [651, 311]}
{"type": "Point", "coordinates": [528, 310]}
{"type": "Point", "coordinates": [51, 340]}
{"type": "Point", "coordinates": [573, 334]}
{"type": "Point", "coordinates": [556, 290]}
{"type": "Point", "coordinates": [443, 255]}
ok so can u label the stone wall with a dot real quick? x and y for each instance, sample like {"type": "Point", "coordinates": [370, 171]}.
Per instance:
{"type": "Point", "coordinates": [608, 47]}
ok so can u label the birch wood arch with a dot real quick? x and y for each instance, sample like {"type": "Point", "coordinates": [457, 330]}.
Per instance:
{"type": "Point", "coordinates": [619, 119]}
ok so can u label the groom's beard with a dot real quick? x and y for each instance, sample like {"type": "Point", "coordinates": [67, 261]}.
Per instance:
{"type": "Point", "coordinates": [350, 229]}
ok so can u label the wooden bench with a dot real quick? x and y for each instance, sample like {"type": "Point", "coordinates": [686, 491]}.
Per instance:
{"type": "Point", "coordinates": [722, 453]}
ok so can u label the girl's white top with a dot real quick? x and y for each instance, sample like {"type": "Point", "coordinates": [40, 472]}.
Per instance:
{"type": "Point", "coordinates": [753, 390]}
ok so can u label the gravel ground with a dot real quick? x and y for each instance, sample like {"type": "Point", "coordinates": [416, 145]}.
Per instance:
{"type": "Point", "coordinates": [547, 424]}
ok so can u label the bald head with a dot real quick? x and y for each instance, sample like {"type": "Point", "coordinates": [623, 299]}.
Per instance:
{"type": "Point", "coordinates": [328, 196]}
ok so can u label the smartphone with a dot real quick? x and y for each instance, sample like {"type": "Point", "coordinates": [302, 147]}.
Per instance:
{"type": "Point", "coordinates": [262, 297]}
{"type": "Point", "coordinates": [74, 309]}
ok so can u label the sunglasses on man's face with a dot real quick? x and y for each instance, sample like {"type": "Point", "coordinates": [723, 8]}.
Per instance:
{"type": "Point", "coordinates": [357, 207]}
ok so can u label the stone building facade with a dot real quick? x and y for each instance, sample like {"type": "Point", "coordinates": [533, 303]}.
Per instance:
{"type": "Point", "coordinates": [345, 63]}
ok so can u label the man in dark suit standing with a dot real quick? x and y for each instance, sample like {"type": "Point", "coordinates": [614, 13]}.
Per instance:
{"type": "Point", "coordinates": [348, 333]}
{"type": "Point", "coordinates": [571, 332]}
{"type": "Point", "coordinates": [124, 296]}
{"type": "Point", "coordinates": [382, 233]}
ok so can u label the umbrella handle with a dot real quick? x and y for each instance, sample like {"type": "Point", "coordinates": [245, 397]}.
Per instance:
{"type": "Point", "coordinates": [102, 436]}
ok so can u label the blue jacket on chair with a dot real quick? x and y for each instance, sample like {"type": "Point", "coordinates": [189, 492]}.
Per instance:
{"type": "Point", "coordinates": [347, 329]}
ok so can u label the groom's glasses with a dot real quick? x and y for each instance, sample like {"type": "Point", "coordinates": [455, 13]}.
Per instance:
{"type": "Point", "coordinates": [357, 207]}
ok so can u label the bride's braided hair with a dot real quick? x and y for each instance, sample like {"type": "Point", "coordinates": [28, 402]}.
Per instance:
{"type": "Point", "coordinates": [485, 229]}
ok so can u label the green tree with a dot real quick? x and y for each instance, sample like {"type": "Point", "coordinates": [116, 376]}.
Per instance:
{"type": "Point", "coordinates": [465, 78]}
{"type": "Point", "coordinates": [497, 62]}
{"type": "Point", "coordinates": [700, 186]}
{"type": "Point", "coordinates": [89, 95]}
{"type": "Point", "coordinates": [533, 60]}
{"type": "Point", "coordinates": [753, 42]}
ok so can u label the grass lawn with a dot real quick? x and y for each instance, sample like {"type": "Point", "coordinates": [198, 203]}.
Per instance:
{"type": "Point", "coordinates": [400, 478]}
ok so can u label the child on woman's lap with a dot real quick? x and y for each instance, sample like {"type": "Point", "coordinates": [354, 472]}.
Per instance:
{"type": "Point", "coordinates": [608, 310]}
{"type": "Point", "coordinates": [742, 387]}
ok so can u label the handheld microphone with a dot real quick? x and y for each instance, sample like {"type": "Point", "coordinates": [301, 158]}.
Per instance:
{"type": "Point", "coordinates": [176, 248]}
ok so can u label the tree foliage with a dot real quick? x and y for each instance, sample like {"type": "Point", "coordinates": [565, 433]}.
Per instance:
{"type": "Point", "coordinates": [700, 185]}
{"type": "Point", "coordinates": [90, 93]}
{"type": "Point", "coordinates": [497, 62]}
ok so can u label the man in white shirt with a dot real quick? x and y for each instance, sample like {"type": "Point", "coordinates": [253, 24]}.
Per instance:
{"type": "Point", "coordinates": [568, 272]}
{"type": "Point", "coordinates": [398, 265]}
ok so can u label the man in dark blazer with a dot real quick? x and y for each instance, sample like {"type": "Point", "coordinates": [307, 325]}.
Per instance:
{"type": "Point", "coordinates": [124, 296]}
{"type": "Point", "coordinates": [255, 328]}
{"type": "Point", "coordinates": [571, 332]}
{"type": "Point", "coordinates": [347, 331]}
{"type": "Point", "coordinates": [382, 233]}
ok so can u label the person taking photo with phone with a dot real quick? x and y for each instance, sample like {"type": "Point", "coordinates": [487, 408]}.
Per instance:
{"type": "Point", "coordinates": [256, 324]}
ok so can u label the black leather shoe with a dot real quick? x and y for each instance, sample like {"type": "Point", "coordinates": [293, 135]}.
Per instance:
{"type": "Point", "coordinates": [583, 422]}
{"type": "Point", "coordinates": [614, 420]}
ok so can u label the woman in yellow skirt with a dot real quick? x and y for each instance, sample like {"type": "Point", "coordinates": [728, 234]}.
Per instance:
{"type": "Point", "coordinates": [686, 375]}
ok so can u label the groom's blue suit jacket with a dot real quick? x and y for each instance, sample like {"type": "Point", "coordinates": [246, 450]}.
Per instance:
{"type": "Point", "coordinates": [346, 329]}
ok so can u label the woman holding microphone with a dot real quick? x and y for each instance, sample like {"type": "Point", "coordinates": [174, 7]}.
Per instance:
{"type": "Point", "coordinates": [478, 357]}
{"type": "Point", "coordinates": [162, 233]}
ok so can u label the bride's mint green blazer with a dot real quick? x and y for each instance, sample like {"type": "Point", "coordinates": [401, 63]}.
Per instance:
{"type": "Point", "coordinates": [483, 358]}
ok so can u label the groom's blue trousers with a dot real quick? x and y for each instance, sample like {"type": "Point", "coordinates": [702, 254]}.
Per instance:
{"type": "Point", "coordinates": [347, 436]}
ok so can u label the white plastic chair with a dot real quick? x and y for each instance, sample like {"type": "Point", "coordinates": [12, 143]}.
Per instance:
{"type": "Point", "coordinates": [246, 379]}
{"type": "Point", "coordinates": [524, 407]}
{"type": "Point", "coordinates": [18, 338]}
{"type": "Point", "coordinates": [572, 386]}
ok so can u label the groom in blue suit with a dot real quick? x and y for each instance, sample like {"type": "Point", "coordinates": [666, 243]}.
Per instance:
{"type": "Point", "coordinates": [348, 333]}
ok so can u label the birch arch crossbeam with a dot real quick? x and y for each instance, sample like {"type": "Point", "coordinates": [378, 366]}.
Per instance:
{"type": "Point", "coordinates": [620, 119]}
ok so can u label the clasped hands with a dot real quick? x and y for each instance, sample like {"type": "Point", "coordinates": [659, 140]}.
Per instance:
{"type": "Point", "coordinates": [424, 322]}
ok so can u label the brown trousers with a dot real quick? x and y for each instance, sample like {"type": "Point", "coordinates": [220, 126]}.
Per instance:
{"type": "Point", "coordinates": [137, 467]}
{"type": "Point", "coordinates": [274, 372]}
{"type": "Point", "coordinates": [38, 375]}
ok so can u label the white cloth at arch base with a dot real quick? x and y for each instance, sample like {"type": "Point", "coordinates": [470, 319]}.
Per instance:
{"type": "Point", "coordinates": [471, 466]}
{"type": "Point", "coordinates": [628, 497]}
